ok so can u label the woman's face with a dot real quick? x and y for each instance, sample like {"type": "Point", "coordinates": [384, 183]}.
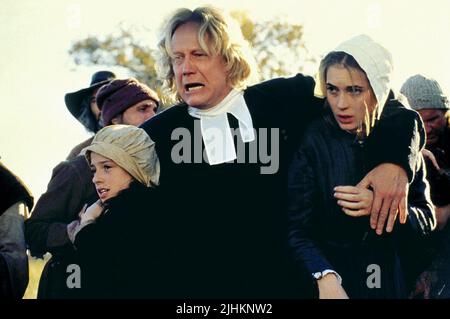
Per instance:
{"type": "Point", "coordinates": [109, 178]}
{"type": "Point", "coordinates": [350, 96]}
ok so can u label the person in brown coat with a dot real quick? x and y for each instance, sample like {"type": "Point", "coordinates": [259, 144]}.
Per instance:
{"type": "Point", "coordinates": [124, 101]}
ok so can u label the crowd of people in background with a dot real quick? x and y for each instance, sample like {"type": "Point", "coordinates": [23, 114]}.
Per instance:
{"type": "Point", "coordinates": [331, 187]}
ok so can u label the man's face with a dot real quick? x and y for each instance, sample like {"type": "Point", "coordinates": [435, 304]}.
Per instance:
{"type": "Point", "coordinates": [93, 104]}
{"type": "Point", "coordinates": [201, 79]}
{"type": "Point", "coordinates": [434, 121]}
{"type": "Point", "coordinates": [137, 114]}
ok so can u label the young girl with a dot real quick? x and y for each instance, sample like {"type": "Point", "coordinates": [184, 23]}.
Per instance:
{"type": "Point", "coordinates": [330, 232]}
{"type": "Point", "coordinates": [117, 260]}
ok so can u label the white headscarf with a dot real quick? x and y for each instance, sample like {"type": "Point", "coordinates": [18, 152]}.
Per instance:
{"type": "Point", "coordinates": [375, 60]}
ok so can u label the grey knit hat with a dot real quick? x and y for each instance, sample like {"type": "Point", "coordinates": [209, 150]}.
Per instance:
{"type": "Point", "coordinates": [424, 93]}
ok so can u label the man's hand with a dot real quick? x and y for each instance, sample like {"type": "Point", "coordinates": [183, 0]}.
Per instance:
{"type": "Point", "coordinates": [390, 186]}
{"type": "Point", "coordinates": [355, 201]}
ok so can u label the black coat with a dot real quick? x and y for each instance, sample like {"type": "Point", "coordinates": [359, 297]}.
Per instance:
{"type": "Point", "coordinates": [120, 253]}
{"type": "Point", "coordinates": [440, 180]}
{"type": "Point", "coordinates": [13, 190]}
{"type": "Point", "coordinates": [228, 221]}
{"type": "Point", "coordinates": [440, 195]}
{"type": "Point", "coordinates": [323, 237]}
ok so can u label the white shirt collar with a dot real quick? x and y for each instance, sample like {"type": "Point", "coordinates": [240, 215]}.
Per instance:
{"type": "Point", "coordinates": [216, 131]}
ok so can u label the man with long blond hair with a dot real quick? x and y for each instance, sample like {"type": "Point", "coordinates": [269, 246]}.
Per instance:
{"type": "Point", "coordinates": [224, 152]}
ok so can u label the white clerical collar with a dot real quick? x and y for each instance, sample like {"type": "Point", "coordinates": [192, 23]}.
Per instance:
{"type": "Point", "coordinates": [216, 131]}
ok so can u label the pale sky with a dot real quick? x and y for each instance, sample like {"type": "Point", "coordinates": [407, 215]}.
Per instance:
{"type": "Point", "coordinates": [37, 131]}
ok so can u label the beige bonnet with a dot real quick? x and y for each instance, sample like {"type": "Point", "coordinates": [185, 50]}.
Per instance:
{"type": "Point", "coordinates": [129, 147]}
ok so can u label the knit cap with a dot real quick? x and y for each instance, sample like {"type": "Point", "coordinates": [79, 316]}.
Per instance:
{"type": "Point", "coordinates": [424, 93]}
{"type": "Point", "coordinates": [117, 96]}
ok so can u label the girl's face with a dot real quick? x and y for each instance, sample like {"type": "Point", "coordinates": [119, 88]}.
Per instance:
{"type": "Point", "coordinates": [350, 96]}
{"type": "Point", "coordinates": [109, 178]}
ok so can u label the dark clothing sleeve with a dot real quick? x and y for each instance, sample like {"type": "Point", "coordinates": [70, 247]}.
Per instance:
{"type": "Point", "coordinates": [69, 189]}
{"type": "Point", "coordinates": [421, 216]}
{"type": "Point", "coordinates": [292, 100]}
{"type": "Point", "coordinates": [402, 134]}
{"type": "Point", "coordinates": [12, 190]}
{"type": "Point", "coordinates": [400, 130]}
{"type": "Point", "coordinates": [302, 199]}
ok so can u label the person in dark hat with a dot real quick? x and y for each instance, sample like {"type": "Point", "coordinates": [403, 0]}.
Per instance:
{"type": "Point", "coordinates": [127, 101]}
{"type": "Point", "coordinates": [83, 106]}
{"type": "Point", "coordinates": [15, 200]}
{"type": "Point", "coordinates": [124, 101]}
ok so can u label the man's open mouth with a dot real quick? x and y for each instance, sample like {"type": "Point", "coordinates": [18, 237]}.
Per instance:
{"type": "Point", "coordinates": [190, 87]}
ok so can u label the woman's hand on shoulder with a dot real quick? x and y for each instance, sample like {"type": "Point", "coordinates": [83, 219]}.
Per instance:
{"type": "Point", "coordinates": [355, 201]}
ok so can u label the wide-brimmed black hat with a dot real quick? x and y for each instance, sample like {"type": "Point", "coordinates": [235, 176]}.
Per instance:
{"type": "Point", "coordinates": [74, 100]}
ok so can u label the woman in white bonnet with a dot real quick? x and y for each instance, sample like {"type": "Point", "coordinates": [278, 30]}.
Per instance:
{"type": "Point", "coordinates": [330, 233]}
{"type": "Point", "coordinates": [111, 237]}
